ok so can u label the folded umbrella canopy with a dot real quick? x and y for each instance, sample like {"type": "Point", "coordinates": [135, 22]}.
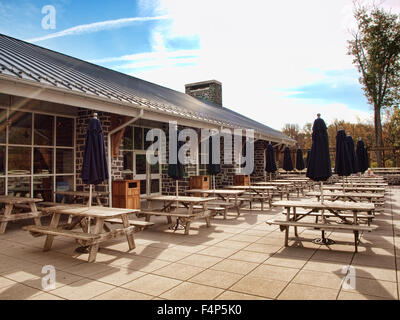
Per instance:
{"type": "Point", "coordinates": [308, 157]}
{"type": "Point", "coordinates": [353, 157]}
{"type": "Point", "coordinates": [299, 160]}
{"type": "Point", "coordinates": [287, 160]}
{"type": "Point", "coordinates": [94, 167]}
{"type": "Point", "coordinates": [212, 168]}
{"type": "Point", "coordinates": [319, 167]}
{"type": "Point", "coordinates": [362, 157]}
{"type": "Point", "coordinates": [270, 165]}
{"type": "Point", "coordinates": [343, 163]}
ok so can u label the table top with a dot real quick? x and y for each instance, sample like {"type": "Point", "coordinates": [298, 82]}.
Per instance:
{"type": "Point", "coordinates": [93, 212]}
{"type": "Point", "coordinates": [347, 194]}
{"type": "Point", "coordinates": [13, 199]}
{"type": "Point", "coordinates": [366, 184]}
{"type": "Point", "coordinates": [337, 187]}
{"type": "Point", "coordinates": [257, 187]}
{"type": "Point", "coordinates": [273, 183]}
{"type": "Point", "coordinates": [339, 205]}
{"type": "Point", "coordinates": [217, 191]}
{"type": "Point", "coordinates": [293, 180]}
{"type": "Point", "coordinates": [81, 193]}
{"type": "Point", "coordinates": [180, 198]}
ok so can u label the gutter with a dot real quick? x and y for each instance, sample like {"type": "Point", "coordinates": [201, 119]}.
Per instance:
{"type": "Point", "coordinates": [109, 151]}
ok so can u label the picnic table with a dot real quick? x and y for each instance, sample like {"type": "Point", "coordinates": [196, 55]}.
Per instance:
{"type": "Point", "coordinates": [281, 186]}
{"type": "Point", "coordinates": [335, 208]}
{"type": "Point", "coordinates": [354, 188]}
{"type": "Point", "coordinates": [91, 237]}
{"type": "Point", "coordinates": [12, 202]}
{"type": "Point", "coordinates": [228, 199]}
{"type": "Point", "coordinates": [76, 195]}
{"type": "Point", "coordinates": [195, 207]}
{"type": "Point", "coordinates": [363, 184]}
{"type": "Point", "coordinates": [256, 192]}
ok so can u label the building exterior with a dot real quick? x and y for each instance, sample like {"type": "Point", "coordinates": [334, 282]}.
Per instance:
{"type": "Point", "coordinates": [47, 99]}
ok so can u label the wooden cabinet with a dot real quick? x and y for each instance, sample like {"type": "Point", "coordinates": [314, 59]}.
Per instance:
{"type": "Point", "coordinates": [242, 180]}
{"type": "Point", "coordinates": [200, 182]}
{"type": "Point", "coordinates": [126, 194]}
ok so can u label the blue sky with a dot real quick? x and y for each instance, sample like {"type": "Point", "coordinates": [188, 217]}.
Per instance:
{"type": "Point", "coordinates": [279, 62]}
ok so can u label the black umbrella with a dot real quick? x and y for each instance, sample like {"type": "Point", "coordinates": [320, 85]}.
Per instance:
{"type": "Point", "coordinates": [362, 157]}
{"type": "Point", "coordinates": [299, 160]}
{"type": "Point", "coordinates": [212, 168]}
{"type": "Point", "coordinates": [319, 167]}
{"type": "Point", "coordinates": [343, 163]}
{"type": "Point", "coordinates": [94, 167]}
{"type": "Point", "coordinates": [176, 169]}
{"type": "Point", "coordinates": [353, 157]}
{"type": "Point", "coordinates": [270, 165]}
{"type": "Point", "coordinates": [308, 157]}
{"type": "Point", "coordinates": [287, 160]}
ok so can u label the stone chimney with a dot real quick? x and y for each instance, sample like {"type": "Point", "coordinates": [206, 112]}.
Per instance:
{"type": "Point", "coordinates": [206, 90]}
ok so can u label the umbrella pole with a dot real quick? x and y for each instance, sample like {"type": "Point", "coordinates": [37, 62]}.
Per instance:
{"type": "Point", "coordinates": [343, 185]}
{"type": "Point", "coordinates": [214, 181]}
{"type": "Point", "coordinates": [90, 195]}
{"type": "Point", "coordinates": [322, 191]}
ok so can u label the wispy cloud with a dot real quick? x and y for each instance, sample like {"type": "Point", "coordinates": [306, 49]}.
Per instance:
{"type": "Point", "coordinates": [98, 26]}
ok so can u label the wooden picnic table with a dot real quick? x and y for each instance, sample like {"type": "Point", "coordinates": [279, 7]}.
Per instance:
{"type": "Point", "coordinates": [75, 195]}
{"type": "Point", "coordinates": [196, 207]}
{"type": "Point", "coordinates": [362, 184]}
{"type": "Point", "coordinates": [262, 193]}
{"type": "Point", "coordinates": [91, 237]}
{"type": "Point", "coordinates": [354, 188]}
{"type": "Point", "coordinates": [11, 202]}
{"type": "Point", "coordinates": [227, 196]}
{"type": "Point", "coordinates": [351, 196]}
{"type": "Point", "coordinates": [336, 208]}
{"type": "Point", "coordinates": [282, 187]}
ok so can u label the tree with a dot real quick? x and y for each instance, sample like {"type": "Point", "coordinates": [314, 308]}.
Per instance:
{"type": "Point", "coordinates": [376, 50]}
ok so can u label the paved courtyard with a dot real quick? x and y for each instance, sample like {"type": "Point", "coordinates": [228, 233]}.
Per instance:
{"type": "Point", "coordinates": [238, 258]}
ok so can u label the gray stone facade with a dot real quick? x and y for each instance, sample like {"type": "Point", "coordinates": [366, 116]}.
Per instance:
{"type": "Point", "coordinates": [206, 90]}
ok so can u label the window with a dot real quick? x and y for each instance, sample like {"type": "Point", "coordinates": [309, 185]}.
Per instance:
{"type": "Point", "coordinates": [36, 153]}
{"type": "Point", "coordinates": [135, 163]}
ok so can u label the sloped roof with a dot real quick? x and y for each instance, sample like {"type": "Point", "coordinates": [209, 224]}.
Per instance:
{"type": "Point", "coordinates": [23, 60]}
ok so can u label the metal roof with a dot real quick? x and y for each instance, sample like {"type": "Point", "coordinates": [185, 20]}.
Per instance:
{"type": "Point", "coordinates": [28, 62]}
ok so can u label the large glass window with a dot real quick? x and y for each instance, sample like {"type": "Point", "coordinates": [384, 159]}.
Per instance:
{"type": "Point", "coordinates": [65, 132]}
{"type": "Point", "coordinates": [44, 126]}
{"type": "Point", "coordinates": [140, 164]}
{"type": "Point", "coordinates": [19, 160]}
{"type": "Point", "coordinates": [43, 188]}
{"type": "Point", "coordinates": [3, 125]}
{"type": "Point", "coordinates": [128, 162]}
{"type": "Point", "coordinates": [2, 160]}
{"type": "Point", "coordinates": [128, 138]}
{"type": "Point", "coordinates": [43, 161]}
{"type": "Point", "coordinates": [20, 130]}
{"type": "Point", "coordinates": [2, 186]}
{"type": "Point", "coordinates": [19, 186]}
{"type": "Point", "coordinates": [64, 161]}
{"type": "Point", "coordinates": [138, 138]}
{"type": "Point", "coordinates": [64, 183]}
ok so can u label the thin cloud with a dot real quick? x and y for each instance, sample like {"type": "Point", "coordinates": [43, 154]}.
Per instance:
{"type": "Point", "coordinates": [98, 26]}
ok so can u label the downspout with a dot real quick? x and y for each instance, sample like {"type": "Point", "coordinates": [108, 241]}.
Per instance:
{"type": "Point", "coordinates": [110, 155]}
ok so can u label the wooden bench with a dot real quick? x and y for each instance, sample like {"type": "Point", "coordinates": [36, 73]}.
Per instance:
{"type": "Point", "coordinates": [140, 225]}
{"type": "Point", "coordinates": [284, 225]}
{"type": "Point", "coordinates": [215, 208]}
{"type": "Point", "coordinates": [182, 218]}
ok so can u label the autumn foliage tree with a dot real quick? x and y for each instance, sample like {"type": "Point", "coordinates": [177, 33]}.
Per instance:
{"type": "Point", "coordinates": [376, 50]}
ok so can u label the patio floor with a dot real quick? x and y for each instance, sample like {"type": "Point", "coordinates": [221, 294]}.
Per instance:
{"type": "Point", "coordinates": [238, 258]}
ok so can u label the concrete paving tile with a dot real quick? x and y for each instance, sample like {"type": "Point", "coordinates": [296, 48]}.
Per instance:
{"type": "Point", "coordinates": [152, 284]}
{"type": "Point", "coordinates": [216, 278]}
{"type": "Point", "coordinates": [250, 256]}
{"type": "Point", "coordinates": [319, 279]}
{"type": "Point", "coordinates": [286, 261]}
{"type": "Point", "coordinates": [82, 290]}
{"type": "Point", "coordinates": [295, 291]}
{"type": "Point", "coordinates": [192, 291]}
{"type": "Point", "coordinates": [199, 260]}
{"type": "Point", "coordinates": [259, 286]}
{"type": "Point", "coordinates": [215, 251]}
{"type": "Point", "coordinates": [231, 295]}
{"type": "Point", "coordinates": [178, 271]}
{"type": "Point", "coordinates": [18, 291]}
{"type": "Point", "coordinates": [274, 272]}
{"type": "Point", "coordinates": [235, 266]}
{"type": "Point", "coordinates": [122, 294]}
{"type": "Point", "coordinates": [117, 277]}
{"type": "Point", "coordinates": [344, 295]}
{"type": "Point", "coordinates": [379, 288]}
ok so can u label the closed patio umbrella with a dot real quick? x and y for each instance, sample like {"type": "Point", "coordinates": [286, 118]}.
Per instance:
{"type": "Point", "coordinates": [343, 163]}
{"type": "Point", "coordinates": [212, 168]}
{"type": "Point", "coordinates": [362, 157]}
{"type": "Point", "coordinates": [308, 157]}
{"type": "Point", "coordinates": [287, 160]}
{"type": "Point", "coordinates": [94, 166]}
{"type": "Point", "coordinates": [353, 156]}
{"type": "Point", "coordinates": [270, 165]}
{"type": "Point", "coordinates": [299, 160]}
{"type": "Point", "coordinates": [319, 167]}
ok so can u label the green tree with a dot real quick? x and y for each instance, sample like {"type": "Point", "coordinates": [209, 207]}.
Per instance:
{"type": "Point", "coordinates": [376, 50]}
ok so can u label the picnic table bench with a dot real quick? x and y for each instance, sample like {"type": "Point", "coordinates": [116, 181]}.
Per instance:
{"type": "Point", "coordinates": [336, 208]}
{"type": "Point", "coordinates": [12, 202]}
{"type": "Point", "coordinates": [91, 237]}
{"type": "Point", "coordinates": [255, 193]}
{"type": "Point", "coordinates": [182, 218]}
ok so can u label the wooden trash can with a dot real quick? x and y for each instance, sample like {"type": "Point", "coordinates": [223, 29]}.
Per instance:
{"type": "Point", "coordinates": [126, 194]}
{"type": "Point", "coordinates": [242, 180]}
{"type": "Point", "coordinates": [199, 182]}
